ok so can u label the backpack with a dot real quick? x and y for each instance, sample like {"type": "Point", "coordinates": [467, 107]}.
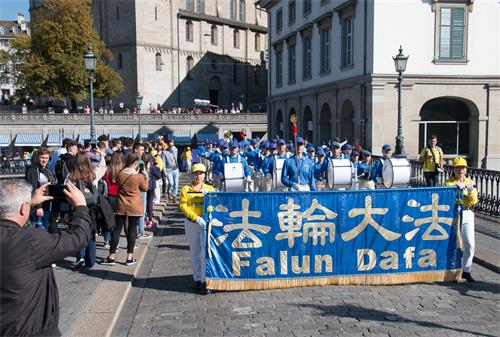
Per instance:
{"type": "Point", "coordinates": [61, 171]}
{"type": "Point", "coordinates": [103, 188]}
{"type": "Point", "coordinates": [91, 193]}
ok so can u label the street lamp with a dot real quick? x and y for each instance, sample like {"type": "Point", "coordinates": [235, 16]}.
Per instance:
{"type": "Point", "coordinates": [90, 65]}
{"type": "Point", "coordinates": [400, 65]}
{"type": "Point", "coordinates": [138, 102]}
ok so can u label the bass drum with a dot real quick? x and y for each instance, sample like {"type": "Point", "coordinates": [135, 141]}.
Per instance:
{"type": "Point", "coordinates": [339, 173]}
{"type": "Point", "coordinates": [278, 167]}
{"type": "Point", "coordinates": [396, 172]}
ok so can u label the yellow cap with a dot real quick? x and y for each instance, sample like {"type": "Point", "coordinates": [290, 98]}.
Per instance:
{"type": "Point", "coordinates": [198, 167]}
{"type": "Point", "coordinates": [459, 161]}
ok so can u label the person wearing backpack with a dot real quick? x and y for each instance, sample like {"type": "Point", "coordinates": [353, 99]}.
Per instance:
{"type": "Point", "coordinates": [84, 178]}
{"type": "Point", "coordinates": [132, 181]}
{"type": "Point", "coordinates": [432, 157]}
{"type": "Point", "coordinates": [154, 175]}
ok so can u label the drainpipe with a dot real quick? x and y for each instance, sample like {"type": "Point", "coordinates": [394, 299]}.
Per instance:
{"type": "Point", "coordinates": [178, 63]}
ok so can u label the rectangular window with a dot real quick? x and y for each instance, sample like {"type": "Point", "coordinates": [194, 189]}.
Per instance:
{"type": "Point", "coordinates": [117, 13]}
{"type": "Point", "coordinates": [453, 136]}
{"type": "Point", "coordinates": [452, 33]}
{"type": "Point", "coordinates": [232, 9]}
{"type": "Point", "coordinates": [307, 7]}
{"type": "Point", "coordinates": [156, 13]}
{"type": "Point", "coordinates": [325, 51]}
{"type": "Point", "coordinates": [242, 15]}
{"type": "Point", "coordinates": [291, 12]}
{"type": "Point", "coordinates": [189, 6]}
{"type": "Point", "coordinates": [291, 63]}
{"type": "Point", "coordinates": [257, 42]}
{"type": "Point", "coordinates": [279, 68]}
{"type": "Point", "coordinates": [279, 20]}
{"type": "Point", "coordinates": [347, 42]}
{"type": "Point", "coordinates": [306, 58]}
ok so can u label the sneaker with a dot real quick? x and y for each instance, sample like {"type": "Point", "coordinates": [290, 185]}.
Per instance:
{"type": "Point", "coordinates": [204, 290]}
{"type": "Point", "coordinates": [143, 236]}
{"type": "Point", "coordinates": [130, 262]}
{"type": "Point", "coordinates": [108, 262]}
{"type": "Point", "coordinates": [154, 224]}
{"type": "Point", "coordinates": [80, 263]}
{"type": "Point", "coordinates": [106, 245]}
{"type": "Point", "coordinates": [197, 285]}
{"type": "Point", "coordinates": [53, 265]}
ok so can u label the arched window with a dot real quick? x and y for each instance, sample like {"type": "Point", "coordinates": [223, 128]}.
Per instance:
{"type": "Point", "coordinates": [119, 61]}
{"type": "Point", "coordinates": [213, 35]}
{"type": "Point", "coordinates": [242, 11]}
{"type": "Point", "coordinates": [189, 31]}
{"type": "Point", "coordinates": [257, 42]}
{"type": "Point", "coordinates": [2, 30]}
{"type": "Point", "coordinates": [347, 121]}
{"type": "Point", "coordinates": [158, 61]}
{"type": "Point", "coordinates": [189, 66]}
{"type": "Point", "coordinates": [236, 39]}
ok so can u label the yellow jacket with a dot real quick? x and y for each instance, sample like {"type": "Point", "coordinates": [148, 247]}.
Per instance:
{"type": "Point", "coordinates": [159, 162]}
{"type": "Point", "coordinates": [192, 200]}
{"type": "Point", "coordinates": [470, 198]}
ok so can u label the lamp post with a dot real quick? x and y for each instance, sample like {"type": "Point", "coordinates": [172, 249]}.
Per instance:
{"type": "Point", "coordinates": [400, 65]}
{"type": "Point", "coordinates": [90, 64]}
{"type": "Point", "coordinates": [138, 102]}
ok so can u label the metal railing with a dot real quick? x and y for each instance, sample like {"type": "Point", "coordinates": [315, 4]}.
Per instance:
{"type": "Point", "coordinates": [10, 168]}
{"type": "Point", "coordinates": [487, 184]}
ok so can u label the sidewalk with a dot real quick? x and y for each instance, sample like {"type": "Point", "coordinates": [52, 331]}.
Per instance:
{"type": "Point", "coordinates": [91, 298]}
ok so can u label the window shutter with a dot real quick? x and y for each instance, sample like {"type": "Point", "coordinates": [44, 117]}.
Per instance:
{"type": "Point", "coordinates": [457, 33]}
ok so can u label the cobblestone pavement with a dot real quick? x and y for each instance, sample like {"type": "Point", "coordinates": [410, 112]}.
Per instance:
{"type": "Point", "coordinates": [163, 303]}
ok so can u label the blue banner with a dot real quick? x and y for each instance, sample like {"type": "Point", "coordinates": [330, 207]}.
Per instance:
{"type": "Point", "coordinates": [285, 239]}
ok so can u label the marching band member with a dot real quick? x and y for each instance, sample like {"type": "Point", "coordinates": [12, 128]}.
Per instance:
{"type": "Point", "coordinates": [278, 151]}
{"type": "Point", "coordinates": [216, 158]}
{"type": "Point", "coordinates": [363, 172]}
{"type": "Point", "coordinates": [466, 185]}
{"type": "Point", "coordinates": [251, 155]}
{"type": "Point", "coordinates": [334, 150]}
{"type": "Point", "coordinates": [298, 172]}
{"type": "Point", "coordinates": [192, 206]}
{"type": "Point", "coordinates": [346, 151]}
{"type": "Point", "coordinates": [311, 153]}
{"type": "Point", "coordinates": [262, 167]}
{"type": "Point", "coordinates": [234, 157]}
{"type": "Point", "coordinates": [319, 169]}
{"type": "Point", "coordinates": [354, 165]}
{"type": "Point", "coordinates": [376, 172]}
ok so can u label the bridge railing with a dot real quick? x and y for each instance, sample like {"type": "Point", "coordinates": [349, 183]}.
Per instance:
{"type": "Point", "coordinates": [10, 168]}
{"type": "Point", "coordinates": [487, 184]}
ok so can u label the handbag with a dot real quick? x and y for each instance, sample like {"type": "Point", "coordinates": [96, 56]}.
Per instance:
{"type": "Point", "coordinates": [438, 169]}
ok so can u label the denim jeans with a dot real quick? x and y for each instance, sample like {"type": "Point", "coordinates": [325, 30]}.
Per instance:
{"type": "Point", "coordinates": [140, 229]}
{"type": "Point", "coordinates": [88, 254]}
{"type": "Point", "coordinates": [173, 181]}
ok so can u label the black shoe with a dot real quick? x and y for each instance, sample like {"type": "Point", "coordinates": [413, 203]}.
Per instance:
{"type": "Point", "coordinates": [130, 262]}
{"type": "Point", "coordinates": [108, 262]}
{"type": "Point", "coordinates": [204, 290]}
{"type": "Point", "coordinates": [197, 285]}
{"type": "Point", "coordinates": [468, 277]}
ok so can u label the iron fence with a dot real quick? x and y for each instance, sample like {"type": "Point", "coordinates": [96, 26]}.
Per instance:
{"type": "Point", "coordinates": [13, 167]}
{"type": "Point", "coordinates": [487, 184]}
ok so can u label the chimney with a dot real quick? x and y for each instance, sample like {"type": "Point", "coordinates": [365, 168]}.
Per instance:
{"type": "Point", "coordinates": [21, 22]}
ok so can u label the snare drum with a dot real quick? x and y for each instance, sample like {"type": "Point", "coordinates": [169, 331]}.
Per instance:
{"type": "Point", "coordinates": [396, 172]}
{"type": "Point", "coordinates": [339, 173]}
{"type": "Point", "coordinates": [234, 177]}
{"type": "Point", "coordinates": [278, 167]}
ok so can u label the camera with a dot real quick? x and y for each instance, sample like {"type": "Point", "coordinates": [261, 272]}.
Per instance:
{"type": "Point", "coordinates": [57, 190]}
{"type": "Point", "coordinates": [141, 167]}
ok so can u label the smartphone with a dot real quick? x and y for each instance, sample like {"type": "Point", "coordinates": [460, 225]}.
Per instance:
{"type": "Point", "coordinates": [57, 191]}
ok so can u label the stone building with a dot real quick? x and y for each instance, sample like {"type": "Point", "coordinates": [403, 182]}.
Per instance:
{"type": "Point", "coordinates": [8, 31]}
{"type": "Point", "coordinates": [331, 64]}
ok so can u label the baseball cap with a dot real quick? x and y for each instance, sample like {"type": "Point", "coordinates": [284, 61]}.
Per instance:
{"type": "Point", "coordinates": [366, 153]}
{"type": "Point", "coordinates": [459, 161]}
{"type": "Point", "coordinates": [346, 147]}
{"type": "Point", "coordinates": [234, 143]}
{"type": "Point", "coordinates": [281, 142]}
{"type": "Point", "coordinates": [334, 144]}
{"type": "Point", "coordinates": [299, 140]}
{"type": "Point", "coordinates": [354, 153]}
{"type": "Point", "coordinates": [386, 147]}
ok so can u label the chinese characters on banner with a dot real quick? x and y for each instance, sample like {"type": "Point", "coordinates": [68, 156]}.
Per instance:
{"type": "Point", "coordinates": [270, 240]}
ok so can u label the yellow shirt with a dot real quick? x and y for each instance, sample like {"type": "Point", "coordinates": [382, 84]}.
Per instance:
{"type": "Point", "coordinates": [192, 201]}
{"type": "Point", "coordinates": [430, 160]}
{"type": "Point", "coordinates": [159, 162]}
{"type": "Point", "coordinates": [470, 198]}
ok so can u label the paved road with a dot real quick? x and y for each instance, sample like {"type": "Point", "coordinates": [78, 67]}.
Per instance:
{"type": "Point", "coordinates": [162, 303]}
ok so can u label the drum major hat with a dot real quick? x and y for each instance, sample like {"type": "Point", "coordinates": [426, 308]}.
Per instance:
{"type": "Point", "coordinates": [459, 162]}
{"type": "Point", "coordinates": [198, 167]}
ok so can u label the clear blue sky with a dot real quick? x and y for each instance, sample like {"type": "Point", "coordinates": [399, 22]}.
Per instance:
{"type": "Point", "coordinates": [10, 8]}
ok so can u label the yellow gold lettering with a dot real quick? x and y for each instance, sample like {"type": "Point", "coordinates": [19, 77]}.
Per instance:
{"type": "Point", "coordinates": [372, 259]}
{"type": "Point", "coordinates": [427, 259]}
{"type": "Point", "coordinates": [318, 263]}
{"type": "Point", "coordinates": [283, 262]}
{"type": "Point", "coordinates": [390, 261]}
{"type": "Point", "coordinates": [238, 263]}
{"type": "Point", "coordinates": [266, 266]}
{"type": "Point", "coordinates": [306, 264]}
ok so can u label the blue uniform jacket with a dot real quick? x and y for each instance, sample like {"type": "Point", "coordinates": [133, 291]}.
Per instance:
{"type": "Point", "coordinates": [319, 170]}
{"type": "Point", "coordinates": [219, 170]}
{"type": "Point", "coordinates": [363, 170]}
{"type": "Point", "coordinates": [278, 156]}
{"type": "Point", "coordinates": [291, 172]}
{"type": "Point", "coordinates": [376, 171]}
{"type": "Point", "coordinates": [252, 156]}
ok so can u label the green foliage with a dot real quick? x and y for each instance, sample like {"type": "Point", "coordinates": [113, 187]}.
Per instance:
{"type": "Point", "coordinates": [50, 62]}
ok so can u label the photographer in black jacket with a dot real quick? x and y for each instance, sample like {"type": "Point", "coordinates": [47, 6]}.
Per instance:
{"type": "Point", "coordinates": [29, 298]}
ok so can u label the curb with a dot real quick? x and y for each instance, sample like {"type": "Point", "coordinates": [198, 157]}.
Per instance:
{"type": "Point", "coordinates": [102, 310]}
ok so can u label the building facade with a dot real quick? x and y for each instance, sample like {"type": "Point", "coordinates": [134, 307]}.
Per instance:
{"type": "Point", "coordinates": [331, 64]}
{"type": "Point", "coordinates": [8, 31]}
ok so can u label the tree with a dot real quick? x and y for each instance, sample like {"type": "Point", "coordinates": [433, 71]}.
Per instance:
{"type": "Point", "coordinates": [50, 62]}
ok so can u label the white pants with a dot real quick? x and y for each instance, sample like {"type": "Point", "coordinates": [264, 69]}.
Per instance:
{"type": "Point", "coordinates": [467, 232]}
{"type": "Point", "coordinates": [249, 185]}
{"type": "Point", "coordinates": [195, 236]}
{"type": "Point", "coordinates": [156, 199]}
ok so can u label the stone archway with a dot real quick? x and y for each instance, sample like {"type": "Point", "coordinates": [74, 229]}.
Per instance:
{"type": "Point", "coordinates": [325, 128]}
{"type": "Point", "coordinates": [307, 124]}
{"type": "Point", "coordinates": [449, 119]}
{"type": "Point", "coordinates": [347, 121]}
{"type": "Point", "coordinates": [279, 124]}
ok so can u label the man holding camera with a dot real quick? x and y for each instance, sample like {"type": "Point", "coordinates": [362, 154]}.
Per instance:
{"type": "Point", "coordinates": [432, 157]}
{"type": "Point", "coordinates": [29, 298]}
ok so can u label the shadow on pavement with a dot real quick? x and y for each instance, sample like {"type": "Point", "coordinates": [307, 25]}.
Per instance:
{"type": "Point", "coordinates": [361, 313]}
{"type": "Point", "coordinates": [177, 283]}
{"type": "Point", "coordinates": [182, 247]}
{"type": "Point", "coordinates": [465, 287]}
